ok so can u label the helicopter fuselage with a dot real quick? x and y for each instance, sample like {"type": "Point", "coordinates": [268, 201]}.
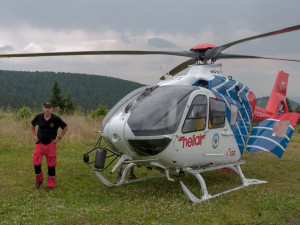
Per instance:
{"type": "Point", "coordinates": [195, 120]}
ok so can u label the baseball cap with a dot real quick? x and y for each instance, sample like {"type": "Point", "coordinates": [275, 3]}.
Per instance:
{"type": "Point", "coordinates": [47, 104]}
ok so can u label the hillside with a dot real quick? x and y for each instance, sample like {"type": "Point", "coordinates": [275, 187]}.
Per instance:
{"type": "Point", "coordinates": [19, 88]}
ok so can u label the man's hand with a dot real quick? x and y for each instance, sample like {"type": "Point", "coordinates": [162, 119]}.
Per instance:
{"type": "Point", "coordinates": [32, 128]}
{"type": "Point", "coordinates": [35, 139]}
{"type": "Point", "coordinates": [56, 140]}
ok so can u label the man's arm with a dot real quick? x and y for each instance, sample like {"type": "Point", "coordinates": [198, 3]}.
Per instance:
{"type": "Point", "coordinates": [32, 128]}
{"type": "Point", "coordinates": [61, 135]}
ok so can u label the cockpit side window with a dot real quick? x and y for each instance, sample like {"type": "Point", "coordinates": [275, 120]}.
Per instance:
{"type": "Point", "coordinates": [197, 115]}
{"type": "Point", "coordinates": [217, 112]}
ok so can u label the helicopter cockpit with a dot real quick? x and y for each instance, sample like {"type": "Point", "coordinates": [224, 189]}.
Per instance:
{"type": "Point", "coordinates": [159, 112]}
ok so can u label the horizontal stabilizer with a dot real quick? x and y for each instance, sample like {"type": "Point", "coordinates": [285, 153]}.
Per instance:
{"type": "Point", "coordinates": [274, 134]}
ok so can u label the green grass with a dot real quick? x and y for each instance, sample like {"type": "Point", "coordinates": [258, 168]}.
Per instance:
{"type": "Point", "coordinates": [79, 198]}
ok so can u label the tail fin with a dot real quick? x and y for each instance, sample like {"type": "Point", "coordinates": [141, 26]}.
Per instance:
{"type": "Point", "coordinates": [277, 101]}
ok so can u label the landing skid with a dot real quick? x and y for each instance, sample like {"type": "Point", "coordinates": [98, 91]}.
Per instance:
{"type": "Point", "coordinates": [196, 172]}
{"type": "Point", "coordinates": [123, 178]}
{"type": "Point", "coordinates": [205, 195]}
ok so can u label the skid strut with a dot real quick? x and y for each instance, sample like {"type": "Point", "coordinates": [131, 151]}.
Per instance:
{"type": "Point", "coordinates": [123, 178]}
{"type": "Point", "coordinates": [205, 195]}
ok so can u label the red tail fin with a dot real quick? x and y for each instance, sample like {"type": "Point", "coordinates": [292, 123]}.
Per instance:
{"type": "Point", "coordinates": [277, 101]}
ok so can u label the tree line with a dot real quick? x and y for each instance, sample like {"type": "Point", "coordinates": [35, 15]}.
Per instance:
{"type": "Point", "coordinates": [31, 89]}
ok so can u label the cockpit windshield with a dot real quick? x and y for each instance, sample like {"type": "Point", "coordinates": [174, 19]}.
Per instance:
{"type": "Point", "coordinates": [160, 111]}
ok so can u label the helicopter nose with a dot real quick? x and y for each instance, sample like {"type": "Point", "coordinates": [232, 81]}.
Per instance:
{"type": "Point", "coordinates": [114, 129]}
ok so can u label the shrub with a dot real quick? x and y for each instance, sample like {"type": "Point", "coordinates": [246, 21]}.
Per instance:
{"type": "Point", "coordinates": [23, 113]}
{"type": "Point", "coordinates": [101, 111]}
{"type": "Point", "coordinates": [2, 114]}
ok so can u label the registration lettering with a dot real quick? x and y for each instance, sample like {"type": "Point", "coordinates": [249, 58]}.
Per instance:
{"type": "Point", "coordinates": [230, 152]}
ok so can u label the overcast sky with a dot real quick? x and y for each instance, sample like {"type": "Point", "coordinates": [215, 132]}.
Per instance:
{"type": "Point", "coordinates": [75, 25]}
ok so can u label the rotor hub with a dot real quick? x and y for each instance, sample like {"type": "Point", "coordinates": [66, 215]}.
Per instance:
{"type": "Point", "coordinates": [202, 47]}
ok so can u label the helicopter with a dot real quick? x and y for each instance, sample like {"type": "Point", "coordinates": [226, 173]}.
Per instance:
{"type": "Point", "coordinates": [192, 123]}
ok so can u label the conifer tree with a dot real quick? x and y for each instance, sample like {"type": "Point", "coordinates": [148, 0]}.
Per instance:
{"type": "Point", "coordinates": [69, 105]}
{"type": "Point", "coordinates": [57, 100]}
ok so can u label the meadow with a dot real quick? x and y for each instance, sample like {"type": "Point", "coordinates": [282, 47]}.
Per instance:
{"type": "Point", "coordinates": [79, 198]}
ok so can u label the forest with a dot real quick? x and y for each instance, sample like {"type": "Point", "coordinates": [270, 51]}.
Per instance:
{"type": "Point", "coordinates": [31, 89]}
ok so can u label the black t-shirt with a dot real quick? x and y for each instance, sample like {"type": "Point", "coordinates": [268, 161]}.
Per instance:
{"type": "Point", "coordinates": [47, 129]}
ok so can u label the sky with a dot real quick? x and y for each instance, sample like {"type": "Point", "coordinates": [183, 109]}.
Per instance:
{"type": "Point", "coordinates": [167, 25]}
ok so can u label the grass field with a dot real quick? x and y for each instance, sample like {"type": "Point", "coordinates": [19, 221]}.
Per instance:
{"type": "Point", "coordinates": [79, 198]}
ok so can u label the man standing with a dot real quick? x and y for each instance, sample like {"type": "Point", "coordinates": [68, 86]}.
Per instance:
{"type": "Point", "coordinates": [46, 140]}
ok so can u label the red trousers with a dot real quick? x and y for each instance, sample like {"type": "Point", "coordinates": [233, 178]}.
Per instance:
{"type": "Point", "coordinates": [50, 152]}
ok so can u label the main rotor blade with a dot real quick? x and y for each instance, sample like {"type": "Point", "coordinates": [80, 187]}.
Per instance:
{"type": "Point", "coordinates": [117, 52]}
{"type": "Point", "coordinates": [181, 67]}
{"type": "Point", "coordinates": [234, 56]}
{"type": "Point", "coordinates": [212, 53]}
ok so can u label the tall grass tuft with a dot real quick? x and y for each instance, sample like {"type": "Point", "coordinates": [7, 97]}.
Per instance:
{"type": "Point", "coordinates": [15, 126]}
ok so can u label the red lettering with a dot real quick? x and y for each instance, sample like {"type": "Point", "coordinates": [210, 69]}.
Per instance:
{"type": "Point", "coordinates": [192, 141]}
{"type": "Point", "coordinates": [184, 140]}
{"type": "Point", "coordinates": [230, 152]}
{"type": "Point", "coordinates": [198, 140]}
{"type": "Point", "coordinates": [201, 137]}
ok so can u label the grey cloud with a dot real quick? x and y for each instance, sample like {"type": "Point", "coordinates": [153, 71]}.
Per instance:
{"type": "Point", "coordinates": [160, 43]}
{"type": "Point", "coordinates": [168, 16]}
{"type": "Point", "coordinates": [6, 48]}
{"type": "Point", "coordinates": [125, 39]}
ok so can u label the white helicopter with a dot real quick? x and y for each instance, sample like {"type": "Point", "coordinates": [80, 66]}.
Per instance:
{"type": "Point", "coordinates": [192, 123]}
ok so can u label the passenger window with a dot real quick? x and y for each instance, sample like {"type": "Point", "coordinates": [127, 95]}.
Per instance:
{"type": "Point", "coordinates": [217, 111]}
{"type": "Point", "coordinates": [197, 115]}
{"type": "Point", "coordinates": [233, 114]}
